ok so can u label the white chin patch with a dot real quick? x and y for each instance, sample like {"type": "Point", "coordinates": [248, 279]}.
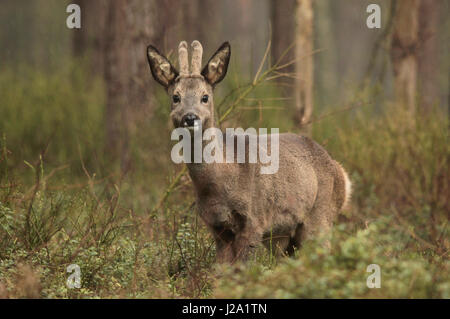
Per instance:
{"type": "Point", "coordinates": [195, 128]}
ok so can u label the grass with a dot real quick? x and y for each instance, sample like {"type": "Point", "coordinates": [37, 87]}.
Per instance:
{"type": "Point", "coordinates": [63, 203]}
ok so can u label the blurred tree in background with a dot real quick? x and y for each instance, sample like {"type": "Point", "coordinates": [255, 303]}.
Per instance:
{"type": "Point", "coordinates": [304, 64]}
{"type": "Point", "coordinates": [405, 45]}
{"type": "Point", "coordinates": [130, 28]}
{"type": "Point", "coordinates": [429, 52]}
{"type": "Point", "coordinates": [329, 41]}
{"type": "Point", "coordinates": [282, 20]}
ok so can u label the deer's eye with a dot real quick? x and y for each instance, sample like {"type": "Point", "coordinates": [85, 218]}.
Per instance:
{"type": "Point", "coordinates": [205, 98]}
{"type": "Point", "coordinates": [176, 98]}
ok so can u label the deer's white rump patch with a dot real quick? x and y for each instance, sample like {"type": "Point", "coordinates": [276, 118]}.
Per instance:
{"type": "Point", "coordinates": [347, 186]}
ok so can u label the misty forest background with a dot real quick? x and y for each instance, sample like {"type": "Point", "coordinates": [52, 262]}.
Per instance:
{"type": "Point", "coordinates": [85, 170]}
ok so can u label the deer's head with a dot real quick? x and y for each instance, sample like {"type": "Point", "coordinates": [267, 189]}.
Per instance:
{"type": "Point", "coordinates": [190, 90]}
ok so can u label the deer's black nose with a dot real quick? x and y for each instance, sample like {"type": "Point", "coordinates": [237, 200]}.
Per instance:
{"type": "Point", "coordinates": [189, 119]}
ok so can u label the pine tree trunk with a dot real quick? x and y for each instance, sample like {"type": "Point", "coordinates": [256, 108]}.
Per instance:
{"type": "Point", "coordinates": [283, 28]}
{"type": "Point", "coordinates": [428, 53]}
{"type": "Point", "coordinates": [304, 66]}
{"type": "Point", "coordinates": [131, 27]}
{"type": "Point", "coordinates": [404, 53]}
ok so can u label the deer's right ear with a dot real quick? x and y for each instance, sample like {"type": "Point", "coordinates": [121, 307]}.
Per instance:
{"type": "Point", "coordinates": [162, 70]}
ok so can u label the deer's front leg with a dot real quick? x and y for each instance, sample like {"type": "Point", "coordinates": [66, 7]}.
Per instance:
{"type": "Point", "coordinates": [237, 247]}
{"type": "Point", "coordinates": [236, 239]}
{"type": "Point", "coordinates": [245, 244]}
{"type": "Point", "coordinates": [225, 239]}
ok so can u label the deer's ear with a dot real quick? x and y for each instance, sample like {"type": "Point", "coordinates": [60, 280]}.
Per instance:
{"type": "Point", "coordinates": [216, 68]}
{"type": "Point", "coordinates": [162, 70]}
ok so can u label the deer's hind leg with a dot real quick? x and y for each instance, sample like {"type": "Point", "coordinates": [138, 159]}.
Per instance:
{"type": "Point", "coordinates": [237, 247]}
{"type": "Point", "coordinates": [317, 227]}
{"type": "Point", "coordinates": [236, 239]}
{"type": "Point", "coordinates": [277, 244]}
{"type": "Point", "coordinates": [296, 240]}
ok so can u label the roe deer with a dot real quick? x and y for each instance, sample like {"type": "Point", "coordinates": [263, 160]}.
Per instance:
{"type": "Point", "coordinates": [241, 206]}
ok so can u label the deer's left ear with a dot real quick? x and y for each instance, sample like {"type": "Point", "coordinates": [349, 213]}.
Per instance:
{"type": "Point", "coordinates": [162, 70]}
{"type": "Point", "coordinates": [216, 68]}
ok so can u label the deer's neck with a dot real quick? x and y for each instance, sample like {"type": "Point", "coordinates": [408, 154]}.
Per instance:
{"type": "Point", "coordinates": [204, 173]}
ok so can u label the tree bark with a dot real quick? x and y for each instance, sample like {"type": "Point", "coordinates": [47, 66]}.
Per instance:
{"type": "Point", "coordinates": [131, 27]}
{"type": "Point", "coordinates": [404, 53]}
{"type": "Point", "coordinates": [283, 27]}
{"type": "Point", "coordinates": [304, 66]}
{"type": "Point", "coordinates": [428, 53]}
{"type": "Point", "coordinates": [283, 30]}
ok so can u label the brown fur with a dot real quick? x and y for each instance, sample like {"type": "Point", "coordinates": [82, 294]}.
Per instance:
{"type": "Point", "coordinates": [243, 207]}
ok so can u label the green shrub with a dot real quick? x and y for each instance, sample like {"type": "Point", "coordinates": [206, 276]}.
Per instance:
{"type": "Point", "coordinates": [341, 272]}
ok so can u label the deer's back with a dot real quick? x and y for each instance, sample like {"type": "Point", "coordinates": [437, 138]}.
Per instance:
{"type": "Point", "coordinates": [307, 177]}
